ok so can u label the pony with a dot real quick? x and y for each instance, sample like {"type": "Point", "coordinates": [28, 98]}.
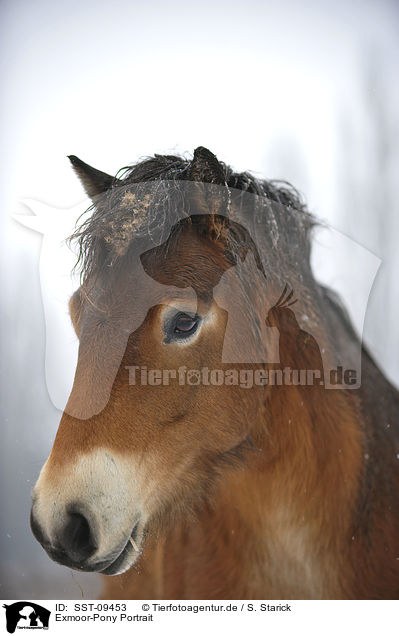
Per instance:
{"type": "Point", "coordinates": [171, 476]}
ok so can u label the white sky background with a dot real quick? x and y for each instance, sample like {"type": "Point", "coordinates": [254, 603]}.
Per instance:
{"type": "Point", "coordinates": [276, 88]}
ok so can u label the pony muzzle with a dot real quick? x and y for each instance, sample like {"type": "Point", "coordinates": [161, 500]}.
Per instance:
{"type": "Point", "coordinates": [102, 531]}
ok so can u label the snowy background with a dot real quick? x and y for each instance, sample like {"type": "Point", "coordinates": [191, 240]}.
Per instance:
{"type": "Point", "coordinates": [306, 92]}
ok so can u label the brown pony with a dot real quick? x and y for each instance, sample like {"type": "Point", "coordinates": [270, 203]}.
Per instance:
{"type": "Point", "coordinates": [215, 489]}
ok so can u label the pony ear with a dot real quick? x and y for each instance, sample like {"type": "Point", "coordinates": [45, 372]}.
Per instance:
{"type": "Point", "coordinates": [206, 168]}
{"type": "Point", "coordinates": [94, 181]}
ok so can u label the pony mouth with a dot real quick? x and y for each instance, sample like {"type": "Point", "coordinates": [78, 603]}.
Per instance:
{"type": "Point", "coordinates": [127, 556]}
{"type": "Point", "coordinates": [111, 566]}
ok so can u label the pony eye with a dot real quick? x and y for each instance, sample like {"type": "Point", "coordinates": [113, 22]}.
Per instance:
{"type": "Point", "coordinates": [181, 326]}
{"type": "Point", "coordinates": [185, 324]}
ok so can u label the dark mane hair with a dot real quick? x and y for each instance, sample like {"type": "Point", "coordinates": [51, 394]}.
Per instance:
{"type": "Point", "coordinates": [173, 167]}
{"type": "Point", "coordinates": [113, 224]}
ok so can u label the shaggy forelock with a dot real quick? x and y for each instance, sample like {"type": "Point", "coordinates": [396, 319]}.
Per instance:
{"type": "Point", "coordinates": [122, 214]}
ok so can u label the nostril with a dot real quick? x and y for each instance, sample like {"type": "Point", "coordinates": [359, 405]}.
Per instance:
{"type": "Point", "coordinates": [77, 538]}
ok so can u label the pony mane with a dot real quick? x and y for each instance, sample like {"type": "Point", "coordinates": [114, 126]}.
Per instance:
{"type": "Point", "coordinates": [112, 223]}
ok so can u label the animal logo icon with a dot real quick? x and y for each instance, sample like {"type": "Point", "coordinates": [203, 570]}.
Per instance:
{"type": "Point", "coordinates": [26, 615]}
{"type": "Point", "coordinates": [298, 349]}
{"type": "Point", "coordinates": [193, 377]}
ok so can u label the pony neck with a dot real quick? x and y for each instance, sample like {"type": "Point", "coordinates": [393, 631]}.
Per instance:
{"type": "Point", "coordinates": [290, 506]}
